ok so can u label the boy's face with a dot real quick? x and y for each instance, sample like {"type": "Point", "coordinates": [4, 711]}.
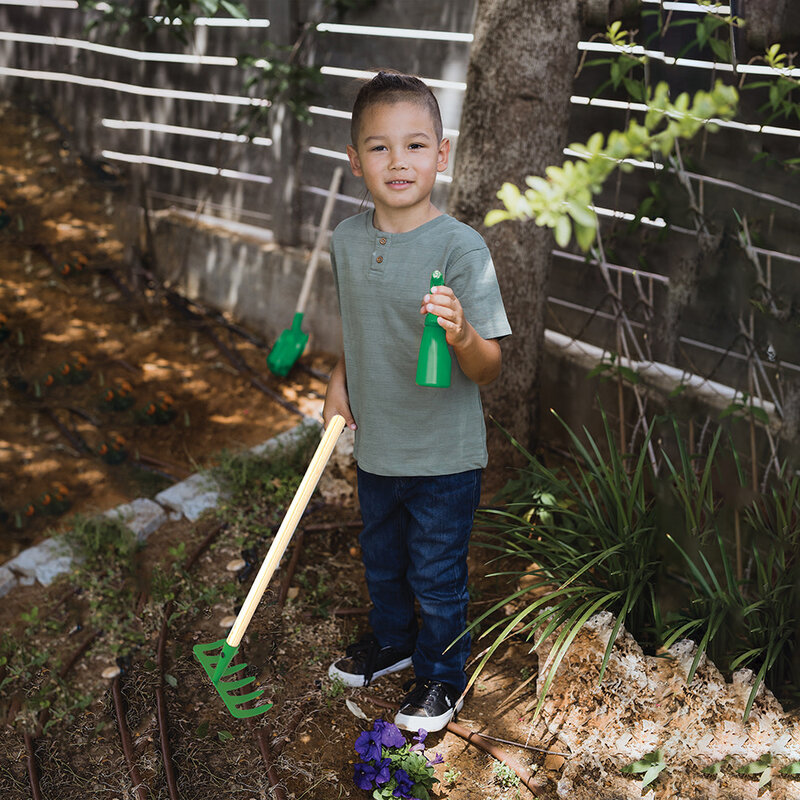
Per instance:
{"type": "Point", "coordinates": [398, 154]}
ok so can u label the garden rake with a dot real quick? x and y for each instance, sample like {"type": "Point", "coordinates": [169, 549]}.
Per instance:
{"type": "Point", "coordinates": [216, 657]}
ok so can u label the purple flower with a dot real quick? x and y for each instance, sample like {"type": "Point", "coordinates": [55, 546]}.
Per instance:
{"type": "Point", "coordinates": [382, 774]}
{"type": "Point", "coordinates": [404, 784]}
{"type": "Point", "coordinates": [368, 746]}
{"type": "Point", "coordinates": [437, 759]}
{"type": "Point", "coordinates": [388, 734]}
{"type": "Point", "coordinates": [421, 735]}
{"type": "Point", "coordinates": [363, 775]}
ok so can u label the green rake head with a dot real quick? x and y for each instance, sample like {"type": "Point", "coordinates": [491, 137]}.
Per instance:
{"type": "Point", "coordinates": [215, 658]}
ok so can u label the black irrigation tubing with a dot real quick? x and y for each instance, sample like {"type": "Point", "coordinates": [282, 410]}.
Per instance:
{"type": "Point", "coordinates": [205, 313]}
{"type": "Point", "coordinates": [125, 740]}
{"type": "Point", "coordinates": [179, 303]}
{"type": "Point", "coordinates": [33, 771]}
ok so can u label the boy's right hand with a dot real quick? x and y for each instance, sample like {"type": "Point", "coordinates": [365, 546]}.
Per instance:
{"type": "Point", "coordinates": [337, 401]}
{"type": "Point", "coordinates": [331, 409]}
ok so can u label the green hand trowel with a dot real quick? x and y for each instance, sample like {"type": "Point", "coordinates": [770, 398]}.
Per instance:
{"type": "Point", "coordinates": [216, 657]}
{"type": "Point", "coordinates": [291, 343]}
{"type": "Point", "coordinates": [434, 362]}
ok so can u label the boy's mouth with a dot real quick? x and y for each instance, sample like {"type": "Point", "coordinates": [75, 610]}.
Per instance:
{"type": "Point", "coordinates": [399, 183]}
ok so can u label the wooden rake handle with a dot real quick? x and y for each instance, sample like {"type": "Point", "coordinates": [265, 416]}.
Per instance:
{"type": "Point", "coordinates": [287, 529]}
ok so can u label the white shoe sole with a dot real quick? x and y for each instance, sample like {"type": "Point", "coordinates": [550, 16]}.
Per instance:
{"type": "Point", "coordinates": [355, 681]}
{"type": "Point", "coordinates": [412, 722]}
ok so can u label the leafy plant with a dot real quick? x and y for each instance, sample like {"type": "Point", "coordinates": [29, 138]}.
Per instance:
{"type": "Point", "coordinates": [650, 766]}
{"type": "Point", "coordinates": [595, 550]}
{"type": "Point", "coordinates": [751, 622]}
{"type": "Point", "coordinates": [175, 16]}
{"type": "Point", "coordinates": [276, 75]}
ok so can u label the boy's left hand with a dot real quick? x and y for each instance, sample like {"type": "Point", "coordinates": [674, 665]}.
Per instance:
{"type": "Point", "coordinates": [442, 301]}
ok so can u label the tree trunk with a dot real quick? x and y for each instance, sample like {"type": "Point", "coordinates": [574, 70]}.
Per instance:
{"type": "Point", "coordinates": [514, 124]}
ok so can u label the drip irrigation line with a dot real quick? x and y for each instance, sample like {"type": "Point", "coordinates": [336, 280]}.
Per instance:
{"type": "Point", "coordinates": [230, 353]}
{"type": "Point", "coordinates": [280, 742]}
{"type": "Point", "coordinates": [161, 708]}
{"type": "Point", "coordinates": [73, 437]}
{"type": "Point", "coordinates": [32, 768]}
{"type": "Point", "coordinates": [351, 612]}
{"type": "Point", "coordinates": [298, 548]}
{"type": "Point", "coordinates": [177, 300]}
{"type": "Point", "coordinates": [523, 772]}
{"type": "Point", "coordinates": [125, 739]}
{"type": "Point", "coordinates": [333, 526]}
{"type": "Point", "coordinates": [261, 736]}
{"type": "Point", "coordinates": [283, 592]}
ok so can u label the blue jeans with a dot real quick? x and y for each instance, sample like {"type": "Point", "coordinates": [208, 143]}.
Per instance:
{"type": "Point", "coordinates": [414, 544]}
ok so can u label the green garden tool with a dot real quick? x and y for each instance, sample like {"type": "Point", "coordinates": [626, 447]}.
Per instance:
{"type": "Point", "coordinates": [434, 362]}
{"type": "Point", "coordinates": [216, 657]}
{"type": "Point", "coordinates": [291, 343]}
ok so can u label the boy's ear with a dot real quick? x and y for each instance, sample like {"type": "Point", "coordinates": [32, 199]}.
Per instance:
{"type": "Point", "coordinates": [443, 155]}
{"type": "Point", "coordinates": [355, 162]}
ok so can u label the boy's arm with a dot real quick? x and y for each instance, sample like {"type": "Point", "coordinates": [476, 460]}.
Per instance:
{"type": "Point", "coordinates": [337, 400]}
{"type": "Point", "coordinates": [480, 359]}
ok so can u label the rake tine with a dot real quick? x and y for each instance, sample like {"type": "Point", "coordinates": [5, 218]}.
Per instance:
{"type": "Point", "coordinates": [232, 686]}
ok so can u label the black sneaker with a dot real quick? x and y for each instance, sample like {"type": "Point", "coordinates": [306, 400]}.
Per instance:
{"type": "Point", "coordinates": [366, 660]}
{"type": "Point", "coordinates": [429, 705]}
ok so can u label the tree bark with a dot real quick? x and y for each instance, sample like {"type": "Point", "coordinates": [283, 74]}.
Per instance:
{"type": "Point", "coordinates": [514, 124]}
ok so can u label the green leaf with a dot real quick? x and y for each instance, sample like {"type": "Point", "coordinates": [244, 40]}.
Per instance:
{"type": "Point", "coordinates": [224, 736]}
{"type": "Point", "coordinates": [563, 231]}
{"type": "Point", "coordinates": [791, 769]}
{"type": "Point", "coordinates": [496, 215]}
{"type": "Point", "coordinates": [171, 680]}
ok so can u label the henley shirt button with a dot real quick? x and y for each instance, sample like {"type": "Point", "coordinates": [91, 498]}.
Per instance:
{"type": "Point", "coordinates": [379, 259]}
{"type": "Point", "coordinates": [382, 241]}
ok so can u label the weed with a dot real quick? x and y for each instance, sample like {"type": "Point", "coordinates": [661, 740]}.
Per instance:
{"type": "Point", "coordinates": [258, 487]}
{"type": "Point", "coordinates": [503, 775]}
{"type": "Point", "coordinates": [335, 688]}
{"type": "Point", "coordinates": [450, 776]}
{"type": "Point", "coordinates": [105, 554]}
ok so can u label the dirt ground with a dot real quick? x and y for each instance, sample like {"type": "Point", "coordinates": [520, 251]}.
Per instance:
{"type": "Point", "coordinates": [83, 357]}
{"type": "Point", "coordinates": [64, 636]}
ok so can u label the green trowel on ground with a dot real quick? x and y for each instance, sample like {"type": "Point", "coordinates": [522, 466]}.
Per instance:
{"type": "Point", "coordinates": [291, 343]}
{"type": "Point", "coordinates": [216, 657]}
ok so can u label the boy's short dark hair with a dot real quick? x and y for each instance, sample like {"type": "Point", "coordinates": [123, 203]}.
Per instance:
{"type": "Point", "coordinates": [390, 86]}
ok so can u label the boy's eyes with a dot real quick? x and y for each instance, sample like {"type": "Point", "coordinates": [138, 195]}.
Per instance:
{"type": "Point", "coordinates": [412, 146]}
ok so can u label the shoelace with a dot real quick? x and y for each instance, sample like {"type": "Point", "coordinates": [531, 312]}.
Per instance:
{"type": "Point", "coordinates": [365, 649]}
{"type": "Point", "coordinates": [424, 689]}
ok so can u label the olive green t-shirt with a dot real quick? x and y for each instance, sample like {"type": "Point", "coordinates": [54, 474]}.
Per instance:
{"type": "Point", "coordinates": [405, 429]}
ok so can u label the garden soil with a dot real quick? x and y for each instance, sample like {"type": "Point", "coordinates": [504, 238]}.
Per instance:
{"type": "Point", "coordinates": [64, 637]}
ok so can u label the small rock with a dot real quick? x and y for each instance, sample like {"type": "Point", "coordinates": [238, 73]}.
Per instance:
{"type": "Point", "coordinates": [553, 761]}
{"type": "Point", "coordinates": [111, 672]}
{"type": "Point", "coordinates": [354, 551]}
{"type": "Point", "coordinates": [235, 565]}
{"type": "Point", "coordinates": [227, 622]}
{"type": "Point", "coordinates": [293, 592]}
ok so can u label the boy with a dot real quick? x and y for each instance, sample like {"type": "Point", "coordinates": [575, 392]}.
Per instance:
{"type": "Point", "coordinates": [419, 451]}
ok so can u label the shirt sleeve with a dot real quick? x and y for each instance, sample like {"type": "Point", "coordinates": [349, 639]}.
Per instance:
{"type": "Point", "coordinates": [473, 279]}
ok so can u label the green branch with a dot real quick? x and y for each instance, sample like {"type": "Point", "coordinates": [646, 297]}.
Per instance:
{"type": "Point", "coordinates": [563, 200]}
